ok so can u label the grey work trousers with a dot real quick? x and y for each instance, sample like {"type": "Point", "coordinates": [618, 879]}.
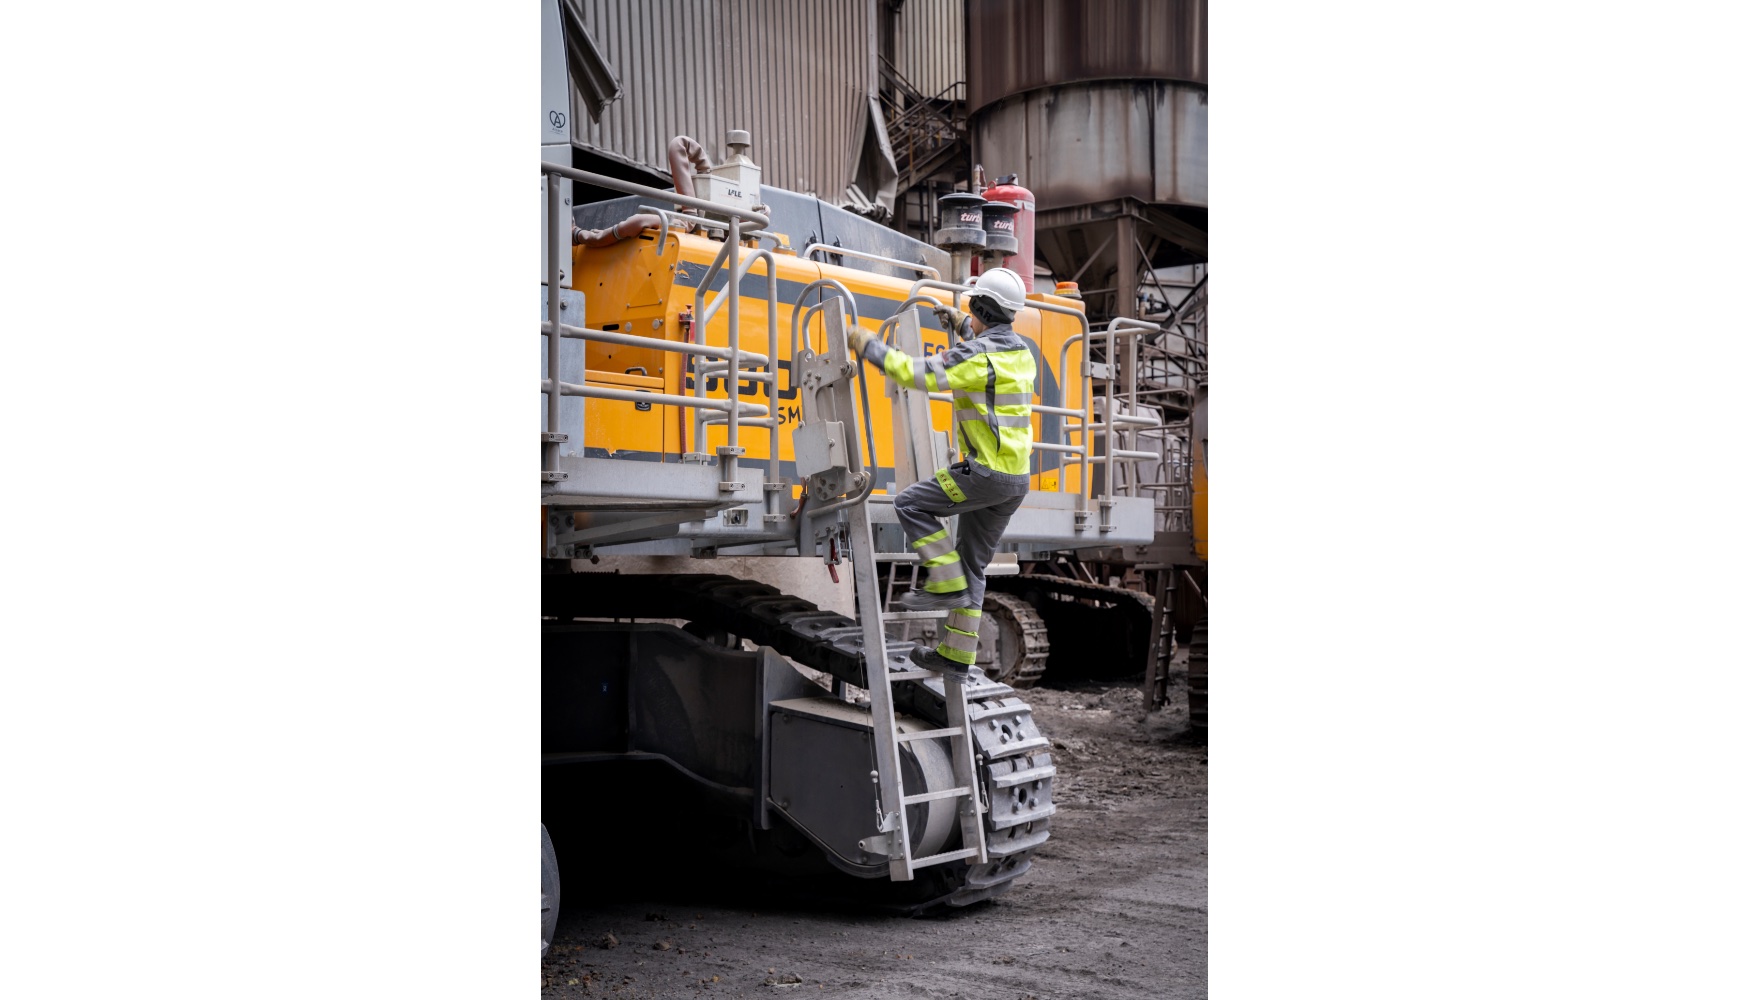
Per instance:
{"type": "Point", "coordinates": [983, 515]}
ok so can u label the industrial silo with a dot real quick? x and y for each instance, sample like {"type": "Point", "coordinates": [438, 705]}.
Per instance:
{"type": "Point", "coordinates": [1101, 107]}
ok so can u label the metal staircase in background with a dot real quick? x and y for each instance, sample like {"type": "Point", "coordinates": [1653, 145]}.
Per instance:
{"type": "Point", "coordinates": [927, 131]}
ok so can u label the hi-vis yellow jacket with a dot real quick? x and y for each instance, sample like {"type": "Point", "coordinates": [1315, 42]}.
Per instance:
{"type": "Point", "coordinates": [991, 379]}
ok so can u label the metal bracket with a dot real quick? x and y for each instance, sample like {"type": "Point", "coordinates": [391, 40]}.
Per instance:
{"type": "Point", "coordinates": [881, 843]}
{"type": "Point", "coordinates": [554, 477]}
{"type": "Point", "coordinates": [554, 437]}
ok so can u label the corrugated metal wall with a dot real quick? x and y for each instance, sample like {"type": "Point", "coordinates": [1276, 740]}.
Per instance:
{"type": "Point", "coordinates": [932, 53]}
{"type": "Point", "coordinates": [800, 83]}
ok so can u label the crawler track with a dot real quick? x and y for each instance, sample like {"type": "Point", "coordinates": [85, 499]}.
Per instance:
{"type": "Point", "coordinates": [1103, 631]}
{"type": "Point", "coordinates": [1199, 676]}
{"type": "Point", "coordinates": [1015, 756]}
{"type": "Point", "coordinates": [1024, 626]}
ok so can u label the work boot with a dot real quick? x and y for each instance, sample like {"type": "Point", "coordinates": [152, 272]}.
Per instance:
{"type": "Point", "coordinates": [923, 600]}
{"type": "Point", "coordinates": [929, 659]}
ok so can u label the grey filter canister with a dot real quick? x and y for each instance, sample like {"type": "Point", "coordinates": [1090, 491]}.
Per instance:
{"type": "Point", "coordinates": [999, 227]}
{"type": "Point", "coordinates": [961, 216]}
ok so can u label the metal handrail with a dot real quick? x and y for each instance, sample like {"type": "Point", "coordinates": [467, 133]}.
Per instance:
{"type": "Point", "coordinates": [554, 389]}
{"type": "Point", "coordinates": [662, 233]}
{"type": "Point", "coordinates": [654, 343]}
{"type": "Point", "coordinates": [1122, 326]}
{"type": "Point", "coordinates": [864, 255]}
{"type": "Point", "coordinates": [730, 407]}
{"type": "Point", "coordinates": [800, 317]}
{"type": "Point", "coordinates": [731, 371]}
{"type": "Point", "coordinates": [732, 357]}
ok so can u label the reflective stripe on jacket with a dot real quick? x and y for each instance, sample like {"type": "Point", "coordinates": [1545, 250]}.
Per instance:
{"type": "Point", "coordinates": [991, 379]}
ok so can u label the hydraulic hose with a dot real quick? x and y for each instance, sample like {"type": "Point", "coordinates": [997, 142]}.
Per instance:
{"type": "Point", "coordinates": [614, 233]}
{"type": "Point", "coordinates": [686, 158]}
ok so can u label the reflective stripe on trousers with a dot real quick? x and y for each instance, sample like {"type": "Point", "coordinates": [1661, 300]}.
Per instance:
{"type": "Point", "coordinates": [984, 508]}
{"type": "Point", "coordinates": [960, 635]}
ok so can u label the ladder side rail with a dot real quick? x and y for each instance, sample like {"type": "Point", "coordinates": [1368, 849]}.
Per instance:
{"type": "Point", "coordinates": [971, 809]}
{"type": "Point", "coordinates": [883, 725]}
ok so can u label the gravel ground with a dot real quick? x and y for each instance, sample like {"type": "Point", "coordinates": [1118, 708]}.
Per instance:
{"type": "Point", "coordinates": [1116, 905]}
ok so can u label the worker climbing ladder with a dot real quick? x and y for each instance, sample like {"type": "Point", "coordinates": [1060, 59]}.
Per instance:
{"type": "Point", "coordinates": [827, 456]}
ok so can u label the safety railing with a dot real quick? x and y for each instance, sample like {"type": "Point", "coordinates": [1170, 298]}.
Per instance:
{"type": "Point", "coordinates": [1161, 372]}
{"type": "Point", "coordinates": [1173, 489]}
{"type": "Point", "coordinates": [729, 370]}
{"type": "Point", "coordinates": [813, 248]}
{"type": "Point", "coordinates": [727, 361]}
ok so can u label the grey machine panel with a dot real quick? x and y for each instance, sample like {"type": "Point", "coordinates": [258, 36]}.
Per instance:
{"type": "Point", "coordinates": [821, 759]}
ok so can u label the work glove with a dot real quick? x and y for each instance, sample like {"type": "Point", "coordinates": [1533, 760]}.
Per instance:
{"type": "Point", "coordinates": [858, 338]}
{"type": "Point", "coordinates": [950, 317]}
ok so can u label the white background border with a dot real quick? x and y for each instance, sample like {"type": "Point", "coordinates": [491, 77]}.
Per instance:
{"type": "Point", "coordinates": [270, 716]}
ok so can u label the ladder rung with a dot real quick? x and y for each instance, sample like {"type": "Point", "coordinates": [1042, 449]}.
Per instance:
{"type": "Point", "coordinates": [911, 675]}
{"type": "Point", "coordinates": [936, 859]}
{"type": "Point", "coordinates": [931, 734]}
{"type": "Point", "coordinates": [911, 616]}
{"type": "Point", "coordinates": [946, 793]}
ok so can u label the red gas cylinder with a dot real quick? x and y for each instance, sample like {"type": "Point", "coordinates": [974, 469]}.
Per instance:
{"type": "Point", "coordinates": [1007, 190]}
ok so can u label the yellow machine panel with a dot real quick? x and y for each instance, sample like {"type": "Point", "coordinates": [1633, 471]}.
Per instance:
{"type": "Point", "coordinates": [634, 430]}
{"type": "Point", "coordinates": [629, 287]}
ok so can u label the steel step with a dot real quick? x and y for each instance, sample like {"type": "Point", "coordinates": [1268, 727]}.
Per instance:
{"type": "Point", "coordinates": [938, 859]}
{"type": "Point", "coordinates": [946, 793]}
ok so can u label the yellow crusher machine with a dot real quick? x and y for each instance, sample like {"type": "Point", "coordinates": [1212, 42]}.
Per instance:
{"type": "Point", "coordinates": [698, 403]}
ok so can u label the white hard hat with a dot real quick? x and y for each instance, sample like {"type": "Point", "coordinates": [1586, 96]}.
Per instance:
{"type": "Point", "coordinates": [1001, 288]}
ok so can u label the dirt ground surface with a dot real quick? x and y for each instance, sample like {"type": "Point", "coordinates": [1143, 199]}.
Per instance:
{"type": "Point", "coordinates": [1116, 905]}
